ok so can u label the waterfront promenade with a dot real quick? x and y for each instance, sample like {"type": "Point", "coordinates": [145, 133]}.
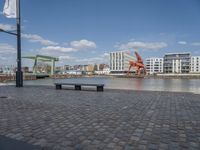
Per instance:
{"type": "Point", "coordinates": [90, 120]}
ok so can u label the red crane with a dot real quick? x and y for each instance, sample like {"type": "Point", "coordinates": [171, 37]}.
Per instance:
{"type": "Point", "coordinates": [138, 64]}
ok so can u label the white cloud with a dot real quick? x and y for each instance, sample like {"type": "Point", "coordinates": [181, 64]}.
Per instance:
{"type": "Point", "coordinates": [58, 49]}
{"type": "Point", "coordinates": [143, 45]}
{"type": "Point", "coordinates": [117, 45]}
{"type": "Point", "coordinates": [74, 46]}
{"type": "Point", "coordinates": [30, 37]}
{"type": "Point", "coordinates": [89, 60]}
{"type": "Point", "coordinates": [7, 27]}
{"type": "Point", "coordinates": [83, 44]}
{"type": "Point", "coordinates": [7, 54]}
{"type": "Point", "coordinates": [4, 58]}
{"type": "Point", "coordinates": [66, 57]}
{"type": "Point", "coordinates": [195, 44]}
{"type": "Point", "coordinates": [37, 38]}
{"type": "Point", "coordinates": [7, 49]}
{"type": "Point", "coordinates": [7, 60]}
{"type": "Point", "coordinates": [182, 42]}
{"type": "Point", "coordinates": [106, 55]}
{"type": "Point", "coordinates": [104, 58]}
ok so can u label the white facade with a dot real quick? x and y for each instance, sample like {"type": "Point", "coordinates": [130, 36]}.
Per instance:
{"type": "Point", "coordinates": [73, 72]}
{"type": "Point", "coordinates": [154, 65]}
{"type": "Point", "coordinates": [9, 70]}
{"type": "Point", "coordinates": [177, 65]}
{"type": "Point", "coordinates": [105, 71]}
{"type": "Point", "coordinates": [195, 64]}
{"type": "Point", "coordinates": [177, 62]}
{"type": "Point", "coordinates": [119, 61]}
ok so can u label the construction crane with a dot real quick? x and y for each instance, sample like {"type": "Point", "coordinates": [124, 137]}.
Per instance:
{"type": "Point", "coordinates": [138, 64]}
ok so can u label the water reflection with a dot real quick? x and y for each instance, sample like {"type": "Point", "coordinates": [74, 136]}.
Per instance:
{"type": "Point", "coordinates": [180, 85]}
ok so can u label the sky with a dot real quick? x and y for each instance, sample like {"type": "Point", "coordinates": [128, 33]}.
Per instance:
{"type": "Point", "coordinates": [86, 31]}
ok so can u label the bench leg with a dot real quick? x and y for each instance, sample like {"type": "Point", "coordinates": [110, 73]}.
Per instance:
{"type": "Point", "coordinates": [100, 88]}
{"type": "Point", "coordinates": [58, 86]}
{"type": "Point", "coordinates": [77, 87]}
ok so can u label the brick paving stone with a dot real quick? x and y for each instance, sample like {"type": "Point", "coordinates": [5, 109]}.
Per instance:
{"type": "Point", "coordinates": [193, 144]}
{"type": "Point", "coordinates": [134, 138]}
{"type": "Point", "coordinates": [127, 147]}
{"type": "Point", "coordinates": [163, 146]}
{"type": "Point", "coordinates": [152, 146]}
{"type": "Point", "coordinates": [113, 119]}
{"type": "Point", "coordinates": [111, 145]}
{"type": "Point", "coordinates": [142, 147]}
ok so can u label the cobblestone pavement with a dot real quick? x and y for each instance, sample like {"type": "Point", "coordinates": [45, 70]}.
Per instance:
{"type": "Point", "coordinates": [110, 120]}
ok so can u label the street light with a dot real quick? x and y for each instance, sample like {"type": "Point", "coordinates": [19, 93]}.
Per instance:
{"type": "Point", "coordinates": [19, 73]}
{"type": "Point", "coordinates": [1, 30]}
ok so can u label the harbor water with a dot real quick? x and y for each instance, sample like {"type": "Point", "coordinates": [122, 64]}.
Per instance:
{"type": "Point", "coordinates": [152, 84]}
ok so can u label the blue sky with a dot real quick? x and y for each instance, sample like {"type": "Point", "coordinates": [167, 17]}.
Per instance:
{"type": "Point", "coordinates": [85, 31]}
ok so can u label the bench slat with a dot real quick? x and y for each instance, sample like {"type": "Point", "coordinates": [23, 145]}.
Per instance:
{"type": "Point", "coordinates": [83, 84]}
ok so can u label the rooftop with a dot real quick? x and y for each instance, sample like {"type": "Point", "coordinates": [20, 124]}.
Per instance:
{"type": "Point", "coordinates": [178, 53]}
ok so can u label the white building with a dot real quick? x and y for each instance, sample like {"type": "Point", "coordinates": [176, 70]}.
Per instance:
{"type": "Point", "coordinates": [73, 72]}
{"type": "Point", "coordinates": [177, 62]}
{"type": "Point", "coordinates": [195, 64]}
{"type": "Point", "coordinates": [105, 71]}
{"type": "Point", "coordinates": [154, 65]}
{"type": "Point", "coordinates": [119, 62]}
{"type": "Point", "coordinates": [9, 70]}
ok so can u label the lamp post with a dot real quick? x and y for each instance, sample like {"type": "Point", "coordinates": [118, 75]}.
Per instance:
{"type": "Point", "coordinates": [19, 73]}
{"type": "Point", "coordinates": [12, 33]}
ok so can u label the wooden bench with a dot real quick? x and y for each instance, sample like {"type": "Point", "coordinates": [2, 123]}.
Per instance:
{"type": "Point", "coordinates": [77, 86]}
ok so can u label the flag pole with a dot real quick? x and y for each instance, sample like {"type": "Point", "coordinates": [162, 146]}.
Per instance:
{"type": "Point", "coordinates": [19, 73]}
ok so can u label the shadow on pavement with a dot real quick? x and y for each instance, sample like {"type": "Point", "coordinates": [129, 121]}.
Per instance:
{"type": "Point", "coordinates": [11, 144]}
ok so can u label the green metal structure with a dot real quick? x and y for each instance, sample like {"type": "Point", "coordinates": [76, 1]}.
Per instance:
{"type": "Point", "coordinates": [44, 59]}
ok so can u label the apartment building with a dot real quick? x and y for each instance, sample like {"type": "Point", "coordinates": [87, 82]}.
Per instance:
{"type": "Point", "coordinates": [195, 64]}
{"type": "Point", "coordinates": [154, 65]}
{"type": "Point", "coordinates": [177, 62]}
{"type": "Point", "coordinates": [119, 62]}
